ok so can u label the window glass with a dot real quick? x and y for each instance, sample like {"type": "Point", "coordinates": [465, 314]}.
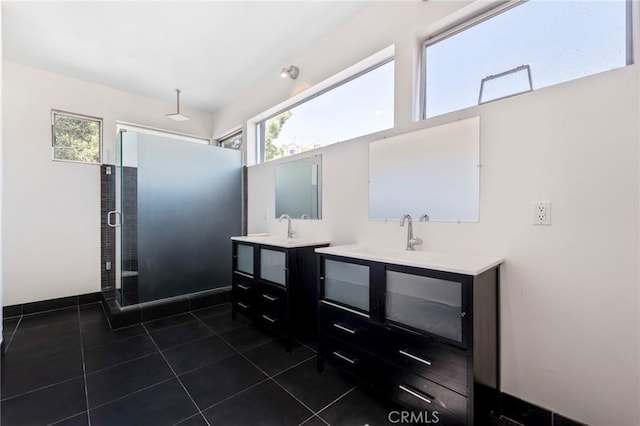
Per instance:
{"type": "Point", "coordinates": [233, 141]}
{"type": "Point", "coordinates": [558, 40]}
{"type": "Point", "coordinates": [76, 137]}
{"type": "Point", "coordinates": [354, 108]}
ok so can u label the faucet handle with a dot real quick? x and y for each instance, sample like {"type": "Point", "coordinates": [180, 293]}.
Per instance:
{"type": "Point", "coordinates": [416, 241]}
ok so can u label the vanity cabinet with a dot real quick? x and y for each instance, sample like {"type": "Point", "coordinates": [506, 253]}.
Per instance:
{"type": "Point", "coordinates": [275, 286]}
{"type": "Point", "coordinates": [427, 338]}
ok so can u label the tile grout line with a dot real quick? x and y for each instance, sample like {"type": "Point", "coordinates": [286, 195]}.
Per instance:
{"type": "Point", "coordinates": [15, 330]}
{"type": "Point", "coordinates": [264, 372]}
{"type": "Point", "coordinates": [317, 413]}
{"type": "Point", "coordinates": [65, 419]}
{"type": "Point", "coordinates": [41, 388]}
{"type": "Point", "coordinates": [69, 308]}
{"type": "Point", "coordinates": [84, 368]}
{"type": "Point", "coordinates": [306, 420]}
{"type": "Point", "coordinates": [176, 376]}
{"type": "Point", "coordinates": [188, 418]}
{"type": "Point", "coordinates": [266, 379]}
{"type": "Point", "coordinates": [132, 393]}
{"type": "Point", "coordinates": [253, 385]}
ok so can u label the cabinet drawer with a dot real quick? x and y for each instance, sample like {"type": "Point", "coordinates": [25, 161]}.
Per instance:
{"type": "Point", "coordinates": [270, 298]}
{"type": "Point", "coordinates": [273, 322]}
{"type": "Point", "coordinates": [418, 393]}
{"type": "Point", "coordinates": [426, 358]}
{"type": "Point", "coordinates": [241, 278]}
{"type": "Point", "coordinates": [352, 360]}
{"type": "Point", "coordinates": [244, 305]}
{"type": "Point", "coordinates": [349, 327]}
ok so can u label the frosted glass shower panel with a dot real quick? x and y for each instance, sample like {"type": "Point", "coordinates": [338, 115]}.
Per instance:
{"type": "Point", "coordinates": [188, 207]}
{"type": "Point", "coordinates": [347, 283]}
{"type": "Point", "coordinates": [433, 171]}
{"type": "Point", "coordinates": [245, 259]}
{"type": "Point", "coordinates": [425, 303]}
{"type": "Point", "coordinates": [273, 266]}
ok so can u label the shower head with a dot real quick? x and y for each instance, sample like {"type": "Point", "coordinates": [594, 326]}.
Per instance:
{"type": "Point", "coordinates": [176, 115]}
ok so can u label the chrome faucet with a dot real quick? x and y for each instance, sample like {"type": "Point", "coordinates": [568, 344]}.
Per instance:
{"type": "Point", "coordinates": [411, 241]}
{"type": "Point", "coordinates": [289, 231]}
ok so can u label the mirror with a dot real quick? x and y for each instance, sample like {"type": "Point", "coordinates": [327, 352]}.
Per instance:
{"type": "Point", "coordinates": [433, 171]}
{"type": "Point", "coordinates": [298, 191]}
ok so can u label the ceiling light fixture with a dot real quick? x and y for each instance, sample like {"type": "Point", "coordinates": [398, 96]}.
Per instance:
{"type": "Point", "coordinates": [291, 71]}
{"type": "Point", "coordinates": [176, 115]}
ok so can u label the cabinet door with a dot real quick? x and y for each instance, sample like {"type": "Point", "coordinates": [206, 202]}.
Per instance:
{"type": "Point", "coordinates": [244, 258]}
{"type": "Point", "coordinates": [273, 266]}
{"type": "Point", "coordinates": [425, 303]}
{"type": "Point", "coordinates": [347, 283]}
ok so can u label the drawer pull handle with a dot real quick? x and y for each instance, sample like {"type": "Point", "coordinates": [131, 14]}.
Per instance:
{"type": "Point", "coordinates": [343, 328]}
{"type": "Point", "coordinates": [269, 297]}
{"type": "Point", "coordinates": [345, 358]}
{"type": "Point", "coordinates": [416, 394]}
{"type": "Point", "coordinates": [243, 287]}
{"type": "Point", "coordinates": [242, 305]}
{"type": "Point", "coordinates": [415, 358]}
{"type": "Point", "coordinates": [268, 318]}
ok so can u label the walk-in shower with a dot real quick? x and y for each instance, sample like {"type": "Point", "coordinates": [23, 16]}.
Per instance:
{"type": "Point", "coordinates": [177, 204]}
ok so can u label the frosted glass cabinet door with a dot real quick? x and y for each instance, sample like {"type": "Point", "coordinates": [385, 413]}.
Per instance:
{"type": "Point", "coordinates": [347, 283]}
{"type": "Point", "coordinates": [244, 259]}
{"type": "Point", "coordinates": [273, 266]}
{"type": "Point", "coordinates": [425, 303]}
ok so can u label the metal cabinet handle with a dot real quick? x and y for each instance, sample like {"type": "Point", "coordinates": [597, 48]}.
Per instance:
{"type": "Point", "coordinates": [345, 358]}
{"type": "Point", "coordinates": [242, 305]}
{"type": "Point", "coordinates": [415, 358]}
{"type": "Point", "coordinates": [421, 397]}
{"type": "Point", "coordinates": [268, 318]}
{"type": "Point", "coordinates": [269, 297]}
{"type": "Point", "coordinates": [243, 287]}
{"type": "Point", "coordinates": [343, 328]}
{"type": "Point", "coordinates": [110, 214]}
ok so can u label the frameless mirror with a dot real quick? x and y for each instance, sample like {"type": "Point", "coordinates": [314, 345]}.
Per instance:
{"type": "Point", "coordinates": [433, 171]}
{"type": "Point", "coordinates": [298, 191]}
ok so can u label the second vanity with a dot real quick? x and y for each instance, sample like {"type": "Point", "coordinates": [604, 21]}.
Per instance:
{"type": "Point", "coordinates": [421, 327]}
{"type": "Point", "coordinates": [273, 283]}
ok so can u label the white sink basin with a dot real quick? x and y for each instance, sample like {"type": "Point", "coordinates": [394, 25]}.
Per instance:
{"type": "Point", "coordinates": [281, 241]}
{"type": "Point", "coordinates": [448, 262]}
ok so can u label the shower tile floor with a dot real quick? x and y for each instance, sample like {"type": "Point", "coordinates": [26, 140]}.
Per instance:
{"type": "Point", "coordinates": [67, 367]}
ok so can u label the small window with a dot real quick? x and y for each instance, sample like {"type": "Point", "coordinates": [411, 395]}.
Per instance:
{"type": "Point", "coordinates": [354, 107]}
{"type": "Point", "coordinates": [76, 137]}
{"type": "Point", "coordinates": [232, 141]}
{"type": "Point", "coordinates": [523, 46]}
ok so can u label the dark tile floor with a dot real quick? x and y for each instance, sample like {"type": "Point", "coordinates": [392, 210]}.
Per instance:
{"type": "Point", "coordinates": [67, 367]}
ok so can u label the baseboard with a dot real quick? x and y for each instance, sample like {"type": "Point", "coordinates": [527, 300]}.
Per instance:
{"type": "Point", "coordinates": [529, 414]}
{"type": "Point", "coordinates": [49, 305]}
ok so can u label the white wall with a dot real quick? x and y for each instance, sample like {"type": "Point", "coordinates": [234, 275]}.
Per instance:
{"type": "Point", "coordinates": [51, 213]}
{"type": "Point", "coordinates": [1, 180]}
{"type": "Point", "coordinates": [570, 292]}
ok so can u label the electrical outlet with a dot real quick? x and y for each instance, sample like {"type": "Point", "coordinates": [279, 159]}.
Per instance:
{"type": "Point", "coordinates": [542, 213]}
{"type": "Point", "coordinates": [107, 266]}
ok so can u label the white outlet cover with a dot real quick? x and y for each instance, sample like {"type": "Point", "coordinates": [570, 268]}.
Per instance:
{"type": "Point", "coordinates": [541, 213]}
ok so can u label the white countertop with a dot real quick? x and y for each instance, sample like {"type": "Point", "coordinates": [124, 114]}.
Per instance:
{"type": "Point", "coordinates": [447, 262]}
{"type": "Point", "coordinates": [281, 241]}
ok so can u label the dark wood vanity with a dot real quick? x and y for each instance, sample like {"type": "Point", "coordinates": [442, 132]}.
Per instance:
{"type": "Point", "coordinates": [274, 285]}
{"type": "Point", "coordinates": [427, 338]}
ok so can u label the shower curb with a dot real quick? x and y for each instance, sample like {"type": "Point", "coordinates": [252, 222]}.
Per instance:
{"type": "Point", "coordinates": [128, 315]}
